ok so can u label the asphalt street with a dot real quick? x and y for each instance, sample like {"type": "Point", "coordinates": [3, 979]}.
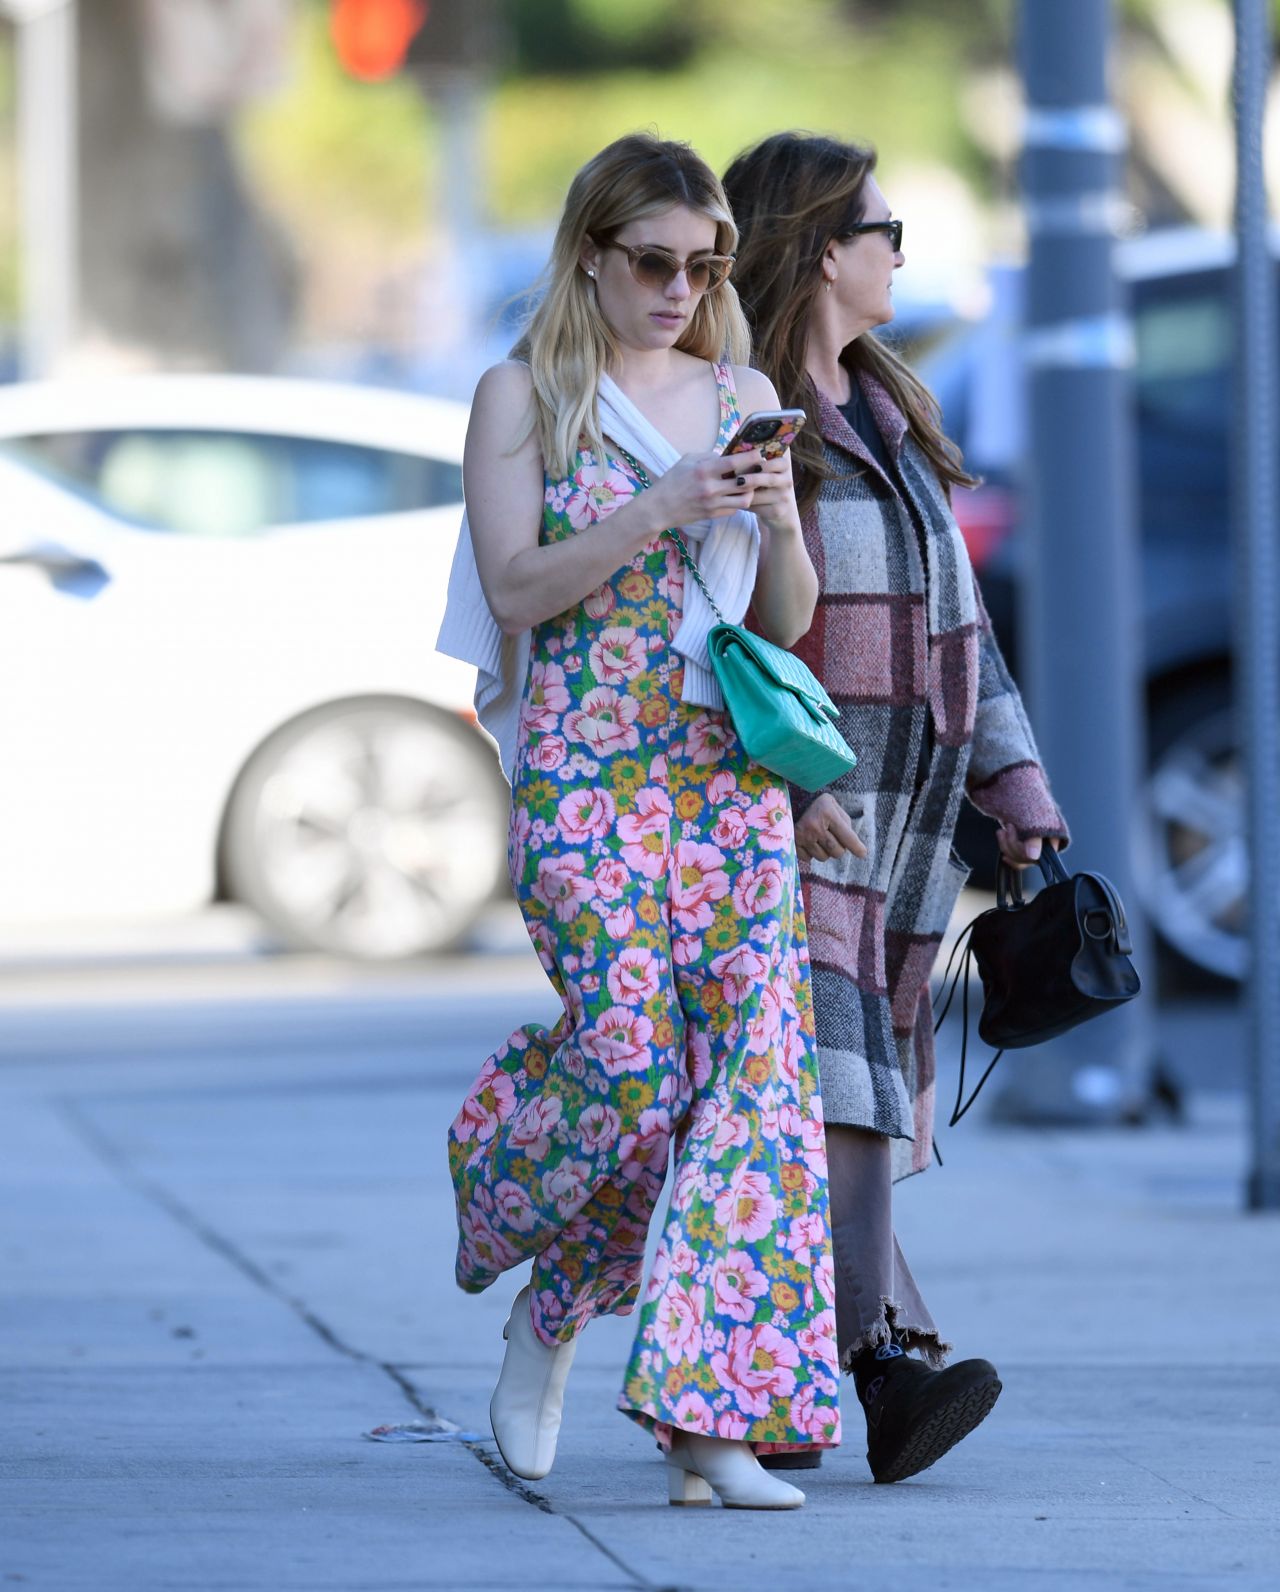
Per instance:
{"type": "Point", "coordinates": [227, 1255]}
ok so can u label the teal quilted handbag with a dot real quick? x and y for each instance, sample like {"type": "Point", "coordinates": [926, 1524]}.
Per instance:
{"type": "Point", "coordinates": [780, 709]}
{"type": "Point", "coordinates": [783, 716]}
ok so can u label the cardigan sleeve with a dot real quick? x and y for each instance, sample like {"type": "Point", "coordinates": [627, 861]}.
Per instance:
{"type": "Point", "coordinates": [1005, 779]}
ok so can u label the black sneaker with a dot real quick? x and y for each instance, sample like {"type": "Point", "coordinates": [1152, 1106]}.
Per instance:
{"type": "Point", "coordinates": [806, 1459]}
{"type": "Point", "coordinates": [914, 1415]}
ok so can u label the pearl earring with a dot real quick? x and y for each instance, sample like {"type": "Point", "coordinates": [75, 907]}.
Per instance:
{"type": "Point", "coordinates": [591, 274]}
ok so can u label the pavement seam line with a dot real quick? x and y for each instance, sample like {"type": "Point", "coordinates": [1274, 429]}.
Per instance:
{"type": "Point", "coordinates": [1164, 1481]}
{"type": "Point", "coordinates": [178, 1211]}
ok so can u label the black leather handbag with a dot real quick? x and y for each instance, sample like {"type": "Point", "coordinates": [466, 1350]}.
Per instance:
{"type": "Point", "coordinates": [1047, 963]}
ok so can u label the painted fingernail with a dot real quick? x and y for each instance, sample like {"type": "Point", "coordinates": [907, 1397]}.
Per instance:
{"type": "Point", "coordinates": [756, 469]}
{"type": "Point", "coordinates": [741, 480]}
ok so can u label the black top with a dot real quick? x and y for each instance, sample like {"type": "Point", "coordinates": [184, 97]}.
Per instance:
{"type": "Point", "coordinates": [858, 414]}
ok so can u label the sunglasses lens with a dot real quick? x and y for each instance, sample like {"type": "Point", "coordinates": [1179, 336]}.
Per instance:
{"type": "Point", "coordinates": [704, 275]}
{"type": "Point", "coordinates": [654, 270]}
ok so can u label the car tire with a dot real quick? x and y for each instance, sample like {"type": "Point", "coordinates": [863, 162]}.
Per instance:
{"type": "Point", "coordinates": [1194, 861]}
{"type": "Point", "coordinates": [373, 829]}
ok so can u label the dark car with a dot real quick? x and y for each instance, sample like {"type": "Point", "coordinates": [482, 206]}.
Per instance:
{"type": "Point", "coordinates": [1193, 862]}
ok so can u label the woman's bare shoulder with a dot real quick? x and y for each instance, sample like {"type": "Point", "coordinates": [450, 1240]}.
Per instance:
{"type": "Point", "coordinates": [755, 390]}
{"type": "Point", "coordinates": [504, 387]}
{"type": "Point", "coordinates": [501, 413]}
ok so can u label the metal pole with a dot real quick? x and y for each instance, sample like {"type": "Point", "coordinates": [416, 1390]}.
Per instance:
{"type": "Point", "coordinates": [47, 123]}
{"type": "Point", "coordinates": [1079, 613]}
{"type": "Point", "coordinates": [1258, 586]}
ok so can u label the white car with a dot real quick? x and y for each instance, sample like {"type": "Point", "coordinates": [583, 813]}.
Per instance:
{"type": "Point", "coordinates": [219, 597]}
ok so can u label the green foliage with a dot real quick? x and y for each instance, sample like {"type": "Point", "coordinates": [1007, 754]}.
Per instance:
{"type": "Point", "coordinates": [7, 81]}
{"type": "Point", "coordinates": [330, 148]}
{"type": "Point", "coordinates": [895, 86]}
{"type": "Point", "coordinates": [572, 74]}
{"type": "Point", "coordinates": [334, 152]}
{"type": "Point", "coordinates": [573, 37]}
{"type": "Point", "coordinates": [638, 19]}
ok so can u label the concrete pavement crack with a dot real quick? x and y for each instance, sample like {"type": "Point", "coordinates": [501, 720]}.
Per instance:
{"type": "Point", "coordinates": [150, 1189]}
{"type": "Point", "coordinates": [1176, 1486]}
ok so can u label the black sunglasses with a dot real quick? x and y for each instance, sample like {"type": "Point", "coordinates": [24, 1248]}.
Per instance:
{"type": "Point", "coordinates": [654, 267]}
{"type": "Point", "coordinates": [891, 229]}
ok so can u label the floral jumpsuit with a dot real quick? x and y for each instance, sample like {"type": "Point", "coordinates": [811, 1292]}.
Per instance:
{"type": "Point", "coordinates": [655, 867]}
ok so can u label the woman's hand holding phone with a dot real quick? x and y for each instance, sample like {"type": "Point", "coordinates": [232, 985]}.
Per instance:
{"type": "Point", "coordinates": [705, 486]}
{"type": "Point", "coordinates": [769, 434]}
{"type": "Point", "coordinates": [773, 498]}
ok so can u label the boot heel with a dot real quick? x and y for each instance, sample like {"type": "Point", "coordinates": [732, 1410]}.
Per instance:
{"type": "Point", "coordinates": [683, 1487]}
{"type": "Point", "coordinates": [701, 1466]}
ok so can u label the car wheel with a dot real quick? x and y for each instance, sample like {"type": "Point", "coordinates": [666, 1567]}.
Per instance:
{"type": "Point", "coordinates": [374, 828]}
{"type": "Point", "coordinates": [1197, 865]}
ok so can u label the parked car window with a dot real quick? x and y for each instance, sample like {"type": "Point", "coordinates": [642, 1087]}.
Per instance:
{"type": "Point", "coordinates": [227, 484]}
{"type": "Point", "coordinates": [1183, 391]}
{"type": "Point", "coordinates": [1184, 349]}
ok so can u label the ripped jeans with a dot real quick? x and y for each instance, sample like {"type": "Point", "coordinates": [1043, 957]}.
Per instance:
{"type": "Point", "coordinates": [877, 1300]}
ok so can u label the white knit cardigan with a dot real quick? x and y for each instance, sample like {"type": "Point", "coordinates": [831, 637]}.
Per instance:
{"type": "Point", "coordinates": [727, 551]}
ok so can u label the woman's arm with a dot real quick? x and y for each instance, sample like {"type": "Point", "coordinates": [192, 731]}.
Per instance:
{"type": "Point", "coordinates": [1005, 778]}
{"type": "Point", "coordinates": [786, 590]}
{"type": "Point", "coordinates": [525, 582]}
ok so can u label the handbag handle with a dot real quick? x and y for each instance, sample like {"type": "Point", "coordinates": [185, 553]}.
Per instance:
{"type": "Point", "coordinates": [642, 475]}
{"type": "Point", "coordinates": [1009, 895]}
{"type": "Point", "coordinates": [1009, 879]}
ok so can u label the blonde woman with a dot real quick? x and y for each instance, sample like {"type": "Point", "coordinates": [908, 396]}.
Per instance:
{"type": "Point", "coordinates": [653, 861]}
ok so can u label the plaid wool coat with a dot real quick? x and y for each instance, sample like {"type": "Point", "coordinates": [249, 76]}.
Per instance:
{"type": "Point", "coordinates": [901, 640]}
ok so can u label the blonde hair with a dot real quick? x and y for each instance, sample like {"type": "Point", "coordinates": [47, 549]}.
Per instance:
{"type": "Point", "coordinates": [568, 344]}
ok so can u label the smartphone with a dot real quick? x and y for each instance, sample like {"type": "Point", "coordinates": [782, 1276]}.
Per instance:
{"type": "Point", "coordinates": [771, 430]}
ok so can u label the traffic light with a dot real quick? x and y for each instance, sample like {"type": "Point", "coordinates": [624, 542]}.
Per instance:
{"type": "Point", "coordinates": [372, 37]}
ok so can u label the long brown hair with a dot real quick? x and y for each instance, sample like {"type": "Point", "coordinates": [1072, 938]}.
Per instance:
{"type": "Point", "coordinates": [791, 195]}
{"type": "Point", "coordinates": [568, 343]}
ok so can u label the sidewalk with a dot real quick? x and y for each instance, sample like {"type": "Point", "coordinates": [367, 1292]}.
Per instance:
{"type": "Point", "coordinates": [225, 1259]}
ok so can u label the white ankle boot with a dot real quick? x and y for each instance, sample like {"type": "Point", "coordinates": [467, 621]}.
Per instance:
{"type": "Point", "coordinates": [527, 1402]}
{"type": "Point", "coordinates": [698, 1465]}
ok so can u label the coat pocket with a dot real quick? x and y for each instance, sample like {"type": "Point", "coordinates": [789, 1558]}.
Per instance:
{"type": "Point", "coordinates": [848, 869]}
{"type": "Point", "coordinates": [947, 878]}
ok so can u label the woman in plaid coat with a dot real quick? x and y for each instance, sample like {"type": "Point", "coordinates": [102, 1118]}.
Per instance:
{"type": "Point", "coordinates": [903, 643]}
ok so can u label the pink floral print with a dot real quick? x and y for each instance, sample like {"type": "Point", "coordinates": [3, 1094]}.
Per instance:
{"type": "Point", "coordinates": [620, 1040]}
{"type": "Point", "coordinates": [596, 491]}
{"type": "Point", "coordinates": [747, 1209]}
{"type": "Point", "coordinates": [646, 834]}
{"type": "Point", "coordinates": [562, 884]}
{"type": "Point", "coordinates": [636, 976]}
{"type": "Point", "coordinates": [618, 655]}
{"type": "Point", "coordinates": [545, 697]}
{"type": "Point", "coordinates": [655, 866]}
{"type": "Point", "coordinates": [757, 1366]}
{"type": "Point", "coordinates": [585, 815]}
{"type": "Point", "coordinates": [736, 1285]}
{"type": "Point", "coordinates": [605, 722]}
